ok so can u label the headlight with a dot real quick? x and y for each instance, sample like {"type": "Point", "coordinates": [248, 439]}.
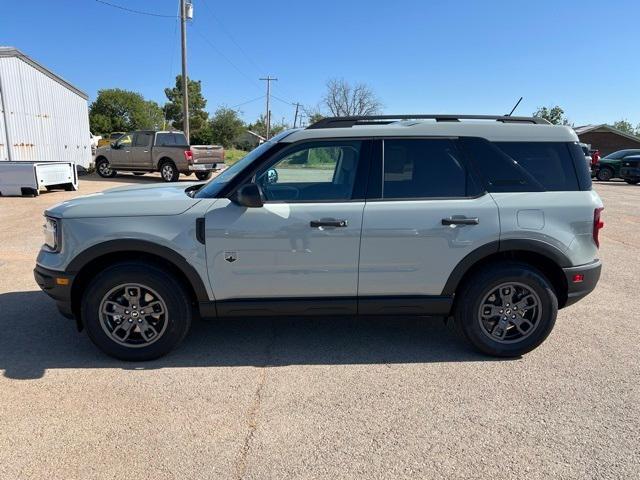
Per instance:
{"type": "Point", "coordinates": [50, 229]}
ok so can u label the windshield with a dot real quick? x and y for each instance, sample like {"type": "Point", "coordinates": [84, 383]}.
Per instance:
{"type": "Point", "coordinates": [212, 188]}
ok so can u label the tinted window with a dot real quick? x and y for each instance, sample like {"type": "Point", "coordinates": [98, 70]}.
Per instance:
{"type": "Point", "coordinates": [125, 140]}
{"type": "Point", "coordinates": [423, 169]}
{"type": "Point", "coordinates": [165, 140]}
{"type": "Point", "coordinates": [180, 140]}
{"type": "Point", "coordinates": [142, 139]}
{"type": "Point", "coordinates": [523, 166]}
{"type": "Point", "coordinates": [315, 172]}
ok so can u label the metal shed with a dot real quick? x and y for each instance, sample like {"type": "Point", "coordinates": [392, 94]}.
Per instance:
{"type": "Point", "coordinates": [43, 117]}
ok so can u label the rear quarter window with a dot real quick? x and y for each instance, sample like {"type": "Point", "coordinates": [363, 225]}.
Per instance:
{"type": "Point", "coordinates": [528, 166]}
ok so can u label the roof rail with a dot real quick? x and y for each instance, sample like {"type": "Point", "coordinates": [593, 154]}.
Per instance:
{"type": "Point", "coordinates": [347, 122]}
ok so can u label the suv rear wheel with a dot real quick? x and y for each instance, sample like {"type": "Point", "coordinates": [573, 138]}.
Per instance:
{"type": "Point", "coordinates": [169, 172]}
{"type": "Point", "coordinates": [136, 311]}
{"type": "Point", "coordinates": [506, 310]}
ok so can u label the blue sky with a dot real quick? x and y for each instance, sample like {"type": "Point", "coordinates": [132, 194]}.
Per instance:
{"type": "Point", "coordinates": [419, 56]}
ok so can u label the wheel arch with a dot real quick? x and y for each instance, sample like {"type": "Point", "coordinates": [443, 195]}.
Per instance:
{"type": "Point", "coordinates": [164, 160]}
{"type": "Point", "coordinates": [543, 256]}
{"type": "Point", "coordinates": [94, 259]}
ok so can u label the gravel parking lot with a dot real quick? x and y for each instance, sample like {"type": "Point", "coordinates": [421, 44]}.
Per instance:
{"type": "Point", "coordinates": [325, 397]}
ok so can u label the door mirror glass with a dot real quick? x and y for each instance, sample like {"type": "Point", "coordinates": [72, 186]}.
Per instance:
{"type": "Point", "coordinates": [272, 176]}
{"type": "Point", "coordinates": [249, 196]}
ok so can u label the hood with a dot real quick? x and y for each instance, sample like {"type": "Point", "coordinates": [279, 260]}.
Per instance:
{"type": "Point", "coordinates": [136, 201]}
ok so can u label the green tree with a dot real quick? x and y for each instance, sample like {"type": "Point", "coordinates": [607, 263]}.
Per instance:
{"type": "Point", "coordinates": [554, 115]}
{"type": "Point", "coordinates": [198, 117]}
{"type": "Point", "coordinates": [260, 127]}
{"type": "Point", "coordinates": [117, 110]}
{"type": "Point", "coordinates": [226, 125]}
{"type": "Point", "coordinates": [624, 126]}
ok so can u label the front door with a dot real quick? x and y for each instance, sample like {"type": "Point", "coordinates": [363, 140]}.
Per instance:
{"type": "Point", "coordinates": [141, 150]}
{"type": "Point", "coordinates": [120, 156]}
{"type": "Point", "coordinates": [427, 214]}
{"type": "Point", "coordinates": [302, 245]}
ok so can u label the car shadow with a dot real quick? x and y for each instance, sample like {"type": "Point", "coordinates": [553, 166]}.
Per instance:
{"type": "Point", "coordinates": [36, 338]}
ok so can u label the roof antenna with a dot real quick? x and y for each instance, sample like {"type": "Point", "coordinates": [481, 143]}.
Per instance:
{"type": "Point", "coordinates": [514, 108]}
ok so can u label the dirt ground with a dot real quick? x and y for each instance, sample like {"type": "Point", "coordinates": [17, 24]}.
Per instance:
{"type": "Point", "coordinates": [327, 398]}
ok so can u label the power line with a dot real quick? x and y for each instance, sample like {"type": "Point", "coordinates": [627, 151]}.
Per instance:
{"type": "Point", "coordinates": [248, 101]}
{"type": "Point", "coordinates": [227, 58]}
{"type": "Point", "coordinates": [131, 10]}
{"type": "Point", "coordinates": [224, 29]}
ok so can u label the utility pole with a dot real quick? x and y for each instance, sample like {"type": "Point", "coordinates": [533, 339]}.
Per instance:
{"type": "Point", "coordinates": [295, 118]}
{"type": "Point", "coordinates": [185, 80]}
{"type": "Point", "coordinates": [268, 79]}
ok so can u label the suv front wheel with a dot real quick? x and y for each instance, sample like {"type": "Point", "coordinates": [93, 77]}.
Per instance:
{"type": "Point", "coordinates": [506, 310]}
{"type": "Point", "coordinates": [136, 311]}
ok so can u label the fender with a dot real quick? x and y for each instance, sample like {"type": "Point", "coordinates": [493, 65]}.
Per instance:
{"type": "Point", "coordinates": [142, 246]}
{"type": "Point", "coordinates": [523, 245]}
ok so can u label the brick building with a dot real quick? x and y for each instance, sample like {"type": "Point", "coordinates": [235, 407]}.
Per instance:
{"type": "Point", "coordinates": [606, 138]}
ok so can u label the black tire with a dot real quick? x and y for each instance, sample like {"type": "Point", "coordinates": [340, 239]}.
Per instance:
{"type": "Point", "coordinates": [203, 175]}
{"type": "Point", "coordinates": [103, 168]}
{"type": "Point", "coordinates": [169, 172]}
{"type": "Point", "coordinates": [604, 174]}
{"type": "Point", "coordinates": [139, 173]}
{"type": "Point", "coordinates": [632, 182]}
{"type": "Point", "coordinates": [470, 297]}
{"type": "Point", "coordinates": [177, 321]}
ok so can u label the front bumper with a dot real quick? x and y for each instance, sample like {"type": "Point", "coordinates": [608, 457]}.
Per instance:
{"type": "Point", "coordinates": [57, 285]}
{"type": "Point", "coordinates": [577, 290]}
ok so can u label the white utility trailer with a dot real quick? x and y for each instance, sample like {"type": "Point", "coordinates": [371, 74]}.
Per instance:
{"type": "Point", "coordinates": [44, 127]}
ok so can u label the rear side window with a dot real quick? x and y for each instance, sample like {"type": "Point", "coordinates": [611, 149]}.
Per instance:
{"type": "Point", "coordinates": [142, 139]}
{"type": "Point", "coordinates": [165, 140]}
{"type": "Point", "coordinates": [523, 166]}
{"type": "Point", "coordinates": [180, 140]}
{"type": "Point", "coordinates": [417, 168]}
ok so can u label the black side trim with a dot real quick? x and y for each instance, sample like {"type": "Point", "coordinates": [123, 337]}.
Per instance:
{"type": "Point", "coordinates": [142, 246]}
{"type": "Point", "coordinates": [374, 305]}
{"type": "Point", "coordinates": [286, 306]}
{"type": "Point", "coordinates": [200, 230]}
{"type": "Point", "coordinates": [405, 305]}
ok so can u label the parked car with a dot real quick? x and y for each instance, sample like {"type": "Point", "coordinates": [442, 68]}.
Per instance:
{"type": "Point", "coordinates": [586, 150]}
{"type": "Point", "coordinates": [630, 169]}
{"type": "Point", "coordinates": [94, 140]}
{"type": "Point", "coordinates": [609, 167]}
{"type": "Point", "coordinates": [344, 217]}
{"type": "Point", "coordinates": [166, 152]}
{"type": "Point", "coordinates": [112, 137]}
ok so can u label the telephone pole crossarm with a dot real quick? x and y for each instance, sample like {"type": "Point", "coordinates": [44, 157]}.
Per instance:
{"type": "Point", "coordinates": [268, 79]}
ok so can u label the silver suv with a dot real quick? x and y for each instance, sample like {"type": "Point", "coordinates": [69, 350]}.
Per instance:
{"type": "Point", "coordinates": [490, 222]}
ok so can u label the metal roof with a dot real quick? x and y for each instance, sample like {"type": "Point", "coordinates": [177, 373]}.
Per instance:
{"type": "Point", "coordinates": [14, 52]}
{"type": "Point", "coordinates": [608, 128]}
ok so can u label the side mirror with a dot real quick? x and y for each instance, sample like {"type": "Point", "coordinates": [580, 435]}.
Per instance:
{"type": "Point", "coordinates": [250, 196]}
{"type": "Point", "coordinates": [114, 145]}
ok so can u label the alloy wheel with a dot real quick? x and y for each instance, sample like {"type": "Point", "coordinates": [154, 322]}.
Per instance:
{"type": "Point", "coordinates": [510, 312]}
{"type": "Point", "coordinates": [133, 315]}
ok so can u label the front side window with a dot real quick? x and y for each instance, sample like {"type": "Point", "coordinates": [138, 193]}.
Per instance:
{"type": "Point", "coordinates": [125, 140]}
{"type": "Point", "coordinates": [318, 171]}
{"type": "Point", "coordinates": [423, 168]}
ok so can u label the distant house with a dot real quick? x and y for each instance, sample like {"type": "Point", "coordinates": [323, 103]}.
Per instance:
{"type": "Point", "coordinates": [606, 138]}
{"type": "Point", "coordinates": [249, 140]}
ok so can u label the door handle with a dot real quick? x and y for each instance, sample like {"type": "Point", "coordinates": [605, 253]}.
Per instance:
{"type": "Point", "coordinates": [327, 222]}
{"type": "Point", "coordinates": [146, 151]}
{"type": "Point", "coordinates": [460, 220]}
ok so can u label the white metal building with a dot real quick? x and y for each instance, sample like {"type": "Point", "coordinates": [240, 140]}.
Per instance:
{"type": "Point", "coordinates": [43, 118]}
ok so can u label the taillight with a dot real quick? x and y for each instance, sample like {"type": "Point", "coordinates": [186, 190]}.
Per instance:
{"type": "Point", "coordinates": [188, 155]}
{"type": "Point", "coordinates": [597, 225]}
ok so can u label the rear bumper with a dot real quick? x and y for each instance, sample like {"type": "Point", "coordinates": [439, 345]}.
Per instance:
{"type": "Point", "coordinates": [200, 167]}
{"type": "Point", "coordinates": [52, 283]}
{"type": "Point", "coordinates": [580, 289]}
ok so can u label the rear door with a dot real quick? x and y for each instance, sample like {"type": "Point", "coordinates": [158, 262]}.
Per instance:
{"type": "Point", "coordinates": [424, 213]}
{"type": "Point", "coordinates": [141, 150]}
{"type": "Point", "coordinates": [301, 248]}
